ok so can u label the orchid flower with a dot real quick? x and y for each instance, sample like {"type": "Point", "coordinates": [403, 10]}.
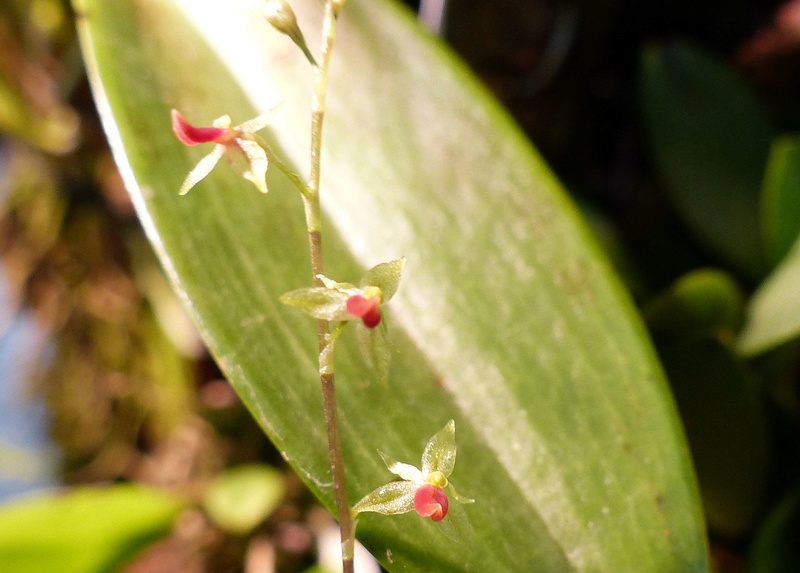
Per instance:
{"type": "Point", "coordinates": [345, 302]}
{"type": "Point", "coordinates": [426, 490]}
{"type": "Point", "coordinates": [335, 301]}
{"type": "Point", "coordinates": [235, 143]}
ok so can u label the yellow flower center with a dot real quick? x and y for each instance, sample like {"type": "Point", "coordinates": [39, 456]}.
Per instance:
{"type": "Point", "coordinates": [371, 292]}
{"type": "Point", "coordinates": [437, 479]}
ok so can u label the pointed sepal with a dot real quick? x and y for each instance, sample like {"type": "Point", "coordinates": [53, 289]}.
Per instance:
{"type": "Point", "coordinates": [440, 451]}
{"type": "Point", "coordinates": [374, 346]}
{"type": "Point", "coordinates": [321, 303]}
{"type": "Point", "coordinates": [385, 276]}
{"type": "Point", "coordinates": [393, 498]}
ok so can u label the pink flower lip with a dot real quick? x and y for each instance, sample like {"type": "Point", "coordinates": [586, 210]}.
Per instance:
{"type": "Point", "coordinates": [430, 501]}
{"type": "Point", "coordinates": [191, 135]}
{"type": "Point", "coordinates": [367, 309]}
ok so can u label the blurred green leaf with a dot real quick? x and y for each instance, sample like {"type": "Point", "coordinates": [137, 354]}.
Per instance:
{"type": "Point", "coordinates": [86, 530]}
{"type": "Point", "coordinates": [693, 324]}
{"type": "Point", "coordinates": [704, 302]}
{"type": "Point", "coordinates": [242, 497]}
{"type": "Point", "coordinates": [726, 426]}
{"type": "Point", "coordinates": [773, 313]}
{"type": "Point", "coordinates": [508, 320]}
{"type": "Point", "coordinates": [710, 142]}
{"type": "Point", "coordinates": [780, 202]}
{"type": "Point", "coordinates": [776, 549]}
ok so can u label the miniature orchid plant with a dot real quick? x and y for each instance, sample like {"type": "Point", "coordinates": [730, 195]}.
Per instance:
{"type": "Point", "coordinates": [427, 490]}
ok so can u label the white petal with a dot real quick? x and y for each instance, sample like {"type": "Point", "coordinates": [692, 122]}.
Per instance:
{"type": "Point", "coordinates": [257, 158]}
{"type": "Point", "coordinates": [222, 121]}
{"type": "Point", "coordinates": [405, 471]}
{"type": "Point", "coordinates": [329, 283]}
{"type": "Point", "coordinates": [257, 123]}
{"type": "Point", "coordinates": [347, 288]}
{"type": "Point", "coordinates": [203, 168]}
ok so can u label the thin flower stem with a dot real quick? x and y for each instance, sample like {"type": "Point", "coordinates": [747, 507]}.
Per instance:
{"type": "Point", "coordinates": [290, 173]}
{"type": "Point", "coordinates": [314, 224]}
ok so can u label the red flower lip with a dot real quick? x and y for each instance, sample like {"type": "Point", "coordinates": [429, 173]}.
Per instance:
{"type": "Point", "coordinates": [191, 135]}
{"type": "Point", "coordinates": [430, 501]}
{"type": "Point", "coordinates": [367, 309]}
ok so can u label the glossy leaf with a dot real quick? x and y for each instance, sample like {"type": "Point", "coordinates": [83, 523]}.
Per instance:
{"type": "Point", "coordinates": [780, 202]}
{"type": "Point", "coordinates": [710, 142]}
{"type": "Point", "coordinates": [508, 318]}
{"type": "Point", "coordinates": [87, 530]}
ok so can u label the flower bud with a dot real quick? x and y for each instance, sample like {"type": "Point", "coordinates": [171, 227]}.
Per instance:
{"type": "Point", "coordinates": [337, 6]}
{"type": "Point", "coordinates": [281, 16]}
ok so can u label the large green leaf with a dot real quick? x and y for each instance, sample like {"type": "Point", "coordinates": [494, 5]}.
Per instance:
{"type": "Point", "coordinates": [508, 319]}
